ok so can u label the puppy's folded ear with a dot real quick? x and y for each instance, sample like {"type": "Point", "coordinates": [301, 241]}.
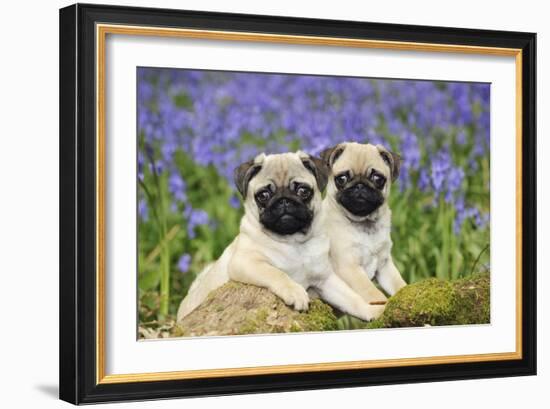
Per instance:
{"type": "Point", "coordinates": [319, 169]}
{"type": "Point", "coordinates": [330, 155]}
{"type": "Point", "coordinates": [392, 159]}
{"type": "Point", "coordinates": [243, 174]}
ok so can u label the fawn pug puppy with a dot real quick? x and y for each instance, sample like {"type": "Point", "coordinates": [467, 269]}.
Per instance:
{"type": "Point", "coordinates": [358, 218]}
{"type": "Point", "coordinates": [282, 244]}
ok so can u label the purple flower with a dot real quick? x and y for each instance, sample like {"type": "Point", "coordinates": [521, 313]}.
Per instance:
{"type": "Point", "coordinates": [411, 158]}
{"type": "Point", "coordinates": [464, 212]}
{"type": "Point", "coordinates": [460, 216]}
{"type": "Point", "coordinates": [455, 178]}
{"type": "Point", "coordinates": [140, 163]}
{"type": "Point", "coordinates": [143, 211]}
{"type": "Point", "coordinates": [157, 167]}
{"type": "Point", "coordinates": [440, 167]}
{"type": "Point", "coordinates": [184, 263]}
{"type": "Point", "coordinates": [423, 180]}
{"type": "Point", "coordinates": [168, 150]}
{"type": "Point", "coordinates": [461, 137]}
{"type": "Point", "coordinates": [177, 187]}
{"type": "Point", "coordinates": [410, 150]}
{"type": "Point", "coordinates": [195, 217]}
{"type": "Point", "coordinates": [220, 119]}
{"type": "Point", "coordinates": [234, 202]}
{"type": "Point", "coordinates": [481, 219]}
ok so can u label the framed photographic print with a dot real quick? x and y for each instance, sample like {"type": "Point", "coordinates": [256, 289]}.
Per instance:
{"type": "Point", "coordinates": [258, 203]}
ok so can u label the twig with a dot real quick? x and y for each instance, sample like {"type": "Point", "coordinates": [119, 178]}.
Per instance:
{"type": "Point", "coordinates": [478, 257]}
{"type": "Point", "coordinates": [166, 239]}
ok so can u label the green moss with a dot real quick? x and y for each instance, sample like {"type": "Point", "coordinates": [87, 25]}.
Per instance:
{"type": "Point", "coordinates": [295, 327]}
{"type": "Point", "coordinates": [237, 308]}
{"type": "Point", "coordinates": [256, 323]}
{"type": "Point", "coordinates": [374, 324]}
{"type": "Point", "coordinates": [474, 294]}
{"type": "Point", "coordinates": [178, 331]}
{"type": "Point", "coordinates": [437, 302]}
{"type": "Point", "coordinates": [319, 317]}
{"type": "Point", "coordinates": [250, 326]}
{"type": "Point", "coordinates": [262, 314]}
{"type": "Point", "coordinates": [428, 302]}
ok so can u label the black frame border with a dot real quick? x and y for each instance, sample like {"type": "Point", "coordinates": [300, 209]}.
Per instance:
{"type": "Point", "coordinates": [78, 197]}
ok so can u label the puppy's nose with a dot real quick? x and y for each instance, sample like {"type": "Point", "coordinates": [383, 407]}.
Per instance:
{"type": "Point", "coordinates": [360, 186]}
{"type": "Point", "coordinates": [285, 203]}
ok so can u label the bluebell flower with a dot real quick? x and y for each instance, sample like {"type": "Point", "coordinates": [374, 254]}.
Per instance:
{"type": "Point", "coordinates": [195, 217]}
{"type": "Point", "coordinates": [184, 263]}
{"type": "Point", "coordinates": [140, 164]}
{"type": "Point", "coordinates": [234, 202]}
{"type": "Point", "coordinates": [143, 210]}
{"type": "Point", "coordinates": [157, 167]}
{"type": "Point", "coordinates": [440, 166]}
{"type": "Point", "coordinates": [410, 150]}
{"type": "Point", "coordinates": [168, 149]}
{"type": "Point", "coordinates": [455, 177]}
{"type": "Point", "coordinates": [461, 214]}
{"type": "Point", "coordinates": [177, 187]}
{"type": "Point", "coordinates": [231, 117]}
{"type": "Point", "coordinates": [461, 137]}
{"type": "Point", "coordinates": [424, 180]}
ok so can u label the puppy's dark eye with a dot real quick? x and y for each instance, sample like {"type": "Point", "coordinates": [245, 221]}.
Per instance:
{"type": "Point", "coordinates": [263, 196]}
{"type": "Point", "coordinates": [378, 180]}
{"type": "Point", "coordinates": [341, 179]}
{"type": "Point", "coordinates": [304, 192]}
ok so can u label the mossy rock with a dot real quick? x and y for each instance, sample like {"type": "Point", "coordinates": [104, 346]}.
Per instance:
{"type": "Point", "coordinates": [436, 302]}
{"type": "Point", "coordinates": [474, 299]}
{"type": "Point", "coordinates": [237, 309]}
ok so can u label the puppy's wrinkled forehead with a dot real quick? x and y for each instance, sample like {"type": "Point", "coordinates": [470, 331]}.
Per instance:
{"type": "Point", "coordinates": [282, 169]}
{"type": "Point", "coordinates": [360, 158]}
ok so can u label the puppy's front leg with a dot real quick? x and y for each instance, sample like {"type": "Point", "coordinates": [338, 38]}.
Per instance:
{"type": "Point", "coordinates": [389, 278]}
{"type": "Point", "coordinates": [358, 280]}
{"type": "Point", "coordinates": [337, 293]}
{"type": "Point", "coordinates": [263, 274]}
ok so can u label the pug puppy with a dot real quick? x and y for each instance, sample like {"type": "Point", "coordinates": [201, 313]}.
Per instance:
{"type": "Point", "coordinates": [358, 218]}
{"type": "Point", "coordinates": [282, 244]}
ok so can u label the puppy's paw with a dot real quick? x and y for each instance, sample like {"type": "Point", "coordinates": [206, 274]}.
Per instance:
{"type": "Point", "coordinates": [376, 297]}
{"type": "Point", "coordinates": [371, 312]}
{"type": "Point", "coordinates": [295, 296]}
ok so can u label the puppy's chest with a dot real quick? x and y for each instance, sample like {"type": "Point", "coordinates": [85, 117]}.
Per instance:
{"type": "Point", "coordinates": [306, 263]}
{"type": "Point", "coordinates": [371, 249]}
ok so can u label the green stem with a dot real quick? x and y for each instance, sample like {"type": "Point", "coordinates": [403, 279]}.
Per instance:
{"type": "Point", "coordinates": [443, 269]}
{"type": "Point", "coordinates": [165, 250]}
{"type": "Point", "coordinates": [151, 200]}
{"type": "Point", "coordinates": [455, 271]}
{"type": "Point", "coordinates": [165, 280]}
{"type": "Point", "coordinates": [478, 257]}
{"type": "Point", "coordinates": [164, 256]}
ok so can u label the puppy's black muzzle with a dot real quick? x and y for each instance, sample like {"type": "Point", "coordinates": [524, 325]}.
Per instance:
{"type": "Point", "coordinates": [286, 215]}
{"type": "Point", "coordinates": [361, 199]}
